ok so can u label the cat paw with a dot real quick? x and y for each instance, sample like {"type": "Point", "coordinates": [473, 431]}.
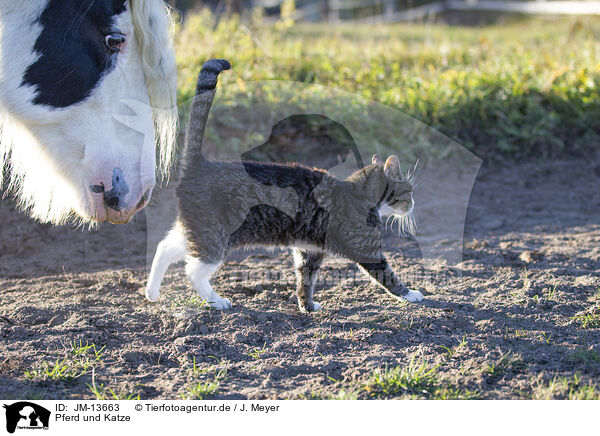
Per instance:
{"type": "Point", "coordinates": [413, 297]}
{"type": "Point", "coordinates": [315, 307]}
{"type": "Point", "coordinates": [152, 294]}
{"type": "Point", "coordinates": [221, 304]}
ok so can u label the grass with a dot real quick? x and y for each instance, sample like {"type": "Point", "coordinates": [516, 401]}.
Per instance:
{"type": "Point", "coordinates": [320, 395]}
{"type": "Point", "coordinates": [201, 390]}
{"type": "Point", "coordinates": [585, 356]}
{"type": "Point", "coordinates": [77, 360]}
{"type": "Point", "coordinates": [565, 388]}
{"type": "Point", "coordinates": [190, 300]}
{"type": "Point", "coordinates": [102, 392]}
{"type": "Point", "coordinates": [590, 319]}
{"type": "Point", "coordinates": [451, 351]}
{"type": "Point", "coordinates": [500, 366]}
{"type": "Point", "coordinates": [551, 293]}
{"type": "Point", "coordinates": [256, 353]}
{"type": "Point", "coordinates": [454, 393]}
{"type": "Point", "coordinates": [417, 378]}
{"type": "Point", "coordinates": [546, 338]}
{"type": "Point", "coordinates": [206, 382]}
{"type": "Point", "coordinates": [503, 90]}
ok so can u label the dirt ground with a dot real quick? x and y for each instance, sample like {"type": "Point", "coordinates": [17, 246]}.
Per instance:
{"type": "Point", "coordinates": [519, 317]}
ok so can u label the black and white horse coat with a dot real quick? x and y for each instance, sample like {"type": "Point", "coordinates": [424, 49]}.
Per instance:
{"type": "Point", "coordinates": [87, 91]}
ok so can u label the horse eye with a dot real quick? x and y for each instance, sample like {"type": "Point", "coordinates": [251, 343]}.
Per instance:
{"type": "Point", "coordinates": [114, 41]}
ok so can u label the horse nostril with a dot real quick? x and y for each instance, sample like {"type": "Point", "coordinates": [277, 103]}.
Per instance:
{"type": "Point", "coordinates": [97, 189]}
{"type": "Point", "coordinates": [112, 201]}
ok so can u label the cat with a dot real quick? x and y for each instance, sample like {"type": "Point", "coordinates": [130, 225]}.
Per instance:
{"type": "Point", "coordinates": [227, 205]}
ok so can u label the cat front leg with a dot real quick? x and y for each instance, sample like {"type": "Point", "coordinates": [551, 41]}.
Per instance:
{"type": "Point", "coordinates": [307, 265]}
{"type": "Point", "coordinates": [172, 249]}
{"type": "Point", "coordinates": [381, 273]}
{"type": "Point", "coordinates": [199, 274]}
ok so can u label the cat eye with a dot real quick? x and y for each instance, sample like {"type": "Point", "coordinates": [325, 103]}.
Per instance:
{"type": "Point", "coordinates": [114, 41]}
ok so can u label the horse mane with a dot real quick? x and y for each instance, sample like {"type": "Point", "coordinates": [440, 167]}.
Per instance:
{"type": "Point", "coordinates": [153, 27]}
{"type": "Point", "coordinates": [30, 181]}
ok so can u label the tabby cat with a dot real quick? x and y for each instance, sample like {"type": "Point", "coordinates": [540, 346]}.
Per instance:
{"type": "Point", "coordinates": [228, 205]}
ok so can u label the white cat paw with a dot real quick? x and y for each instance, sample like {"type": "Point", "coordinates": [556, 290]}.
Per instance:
{"type": "Point", "coordinates": [413, 297]}
{"type": "Point", "coordinates": [152, 294]}
{"type": "Point", "coordinates": [221, 304]}
{"type": "Point", "coordinates": [304, 309]}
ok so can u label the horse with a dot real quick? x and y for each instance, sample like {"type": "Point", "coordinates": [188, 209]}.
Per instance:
{"type": "Point", "coordinates": [88, 111]}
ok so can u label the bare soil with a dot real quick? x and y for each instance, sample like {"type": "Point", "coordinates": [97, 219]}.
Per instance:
{"type": "Point", "coordinates": [503, 323]}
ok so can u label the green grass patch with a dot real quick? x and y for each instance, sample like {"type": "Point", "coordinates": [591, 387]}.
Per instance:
{"type": "Point", "coordinates": [343, 394]}
{"type": "Point", "coordinates": [206, 382]}
{"type": "Point", "coordinates": [589, 319]}
{"type": "Point", "coordinates": [102, 392]}
{"type": "Point", "coordinates": [585, 356]}
{"type": "Point", "coordinates": [77, 360]}
{"type": "Point", "coordinates": [418, 379]}
{"type": "Point", "coordinates": [201, 390]}
{"type": "Point", "coordinates": [451, 352]}
{"type": "Point", "coordinates": [190, 300]}
{"type": "Point", "coordinates": [565, 388]}
{"type": "Point", "coordinates": [503, 364]}
{"type": "Point", "coordinates": [256, 353]}
{"type": "Point", "coordinates": [454, 393]}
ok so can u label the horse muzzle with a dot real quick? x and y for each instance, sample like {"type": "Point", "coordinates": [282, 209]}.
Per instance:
{"type": "Point", "coordinates": [116, 201]}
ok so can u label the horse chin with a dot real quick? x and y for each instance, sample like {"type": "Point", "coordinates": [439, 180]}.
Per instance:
{"type": "Point", "coordinates": [125, 216]}
{"type": "Point", "coordinates": [119, 219]}
{"type": "Point", "coordinates": [95, 211]}
{"type": "Point", "coordinates": [102, 214]}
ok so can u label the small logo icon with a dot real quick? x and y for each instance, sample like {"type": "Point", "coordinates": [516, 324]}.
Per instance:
{"type": "Point", "coordinates": [26, 415]}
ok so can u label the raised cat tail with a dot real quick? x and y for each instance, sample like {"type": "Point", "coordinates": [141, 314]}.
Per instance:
{"type": "Point", "coordinates": [205, 93]}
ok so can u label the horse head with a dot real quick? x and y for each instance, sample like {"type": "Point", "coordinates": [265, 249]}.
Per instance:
{"type": "Point", "coordinates": [87, 95]}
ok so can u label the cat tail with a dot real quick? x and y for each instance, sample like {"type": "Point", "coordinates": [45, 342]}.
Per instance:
{"type": "Point", "coordinates": [205, 93]}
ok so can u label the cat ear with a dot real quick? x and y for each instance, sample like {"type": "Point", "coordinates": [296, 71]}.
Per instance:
{"type": "Point", "coordinates": [376, 160]}
{"type": "Point", "coordinates": [392, 167]}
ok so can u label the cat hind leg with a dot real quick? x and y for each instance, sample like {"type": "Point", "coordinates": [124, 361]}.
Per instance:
{"type": "Point", "coordinates": [307, 265]}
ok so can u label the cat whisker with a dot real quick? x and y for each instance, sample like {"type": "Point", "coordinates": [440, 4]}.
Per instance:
{"type": "Point", "coordinates": [387, 221]}
{"type": "Point", "coordinates": [412, 173]}
{"type": "Point", "coordinates": [406, 224]}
